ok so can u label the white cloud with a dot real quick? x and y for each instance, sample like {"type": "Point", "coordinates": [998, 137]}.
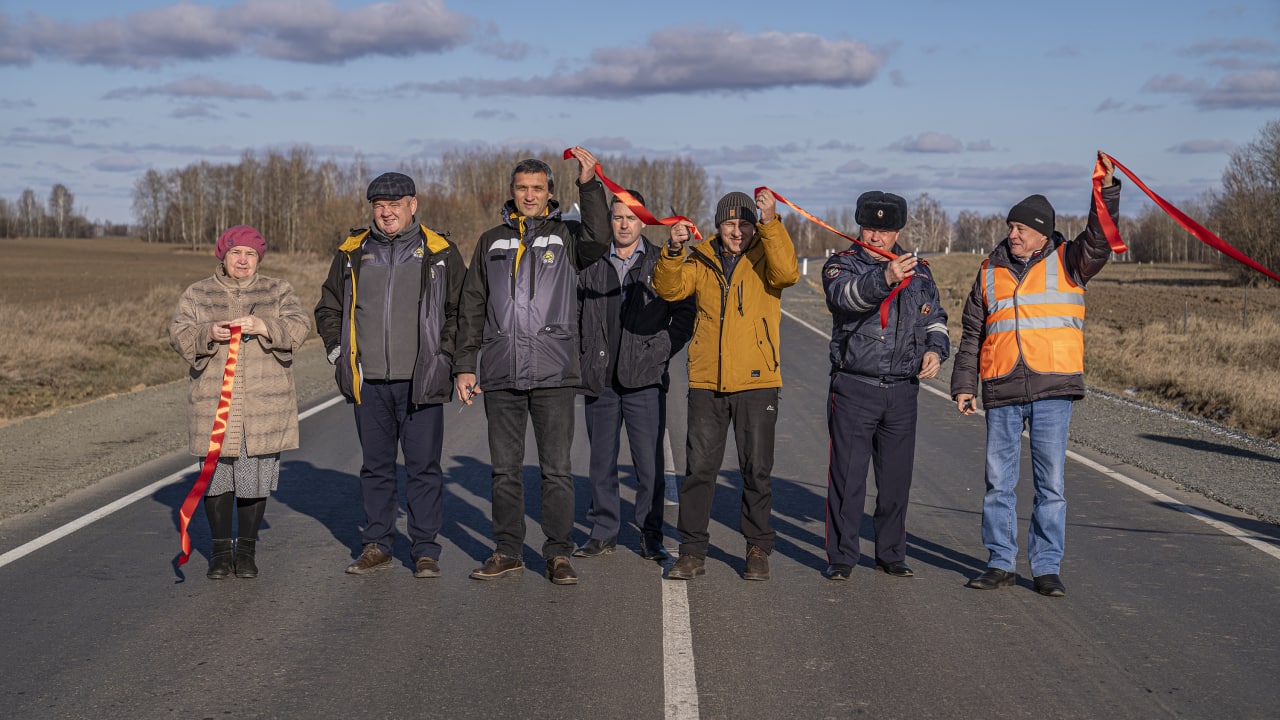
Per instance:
{"type": "Point", "coordinates": [693, 60]}
{"type": "Point", "coordinates": [195, 87]}
{"type": "Point", "coordinates": [310, 31]}
{"type": "Point", "coordinates": [929, 142]}
{"type": "Point", "coordinates": [1190, 147]}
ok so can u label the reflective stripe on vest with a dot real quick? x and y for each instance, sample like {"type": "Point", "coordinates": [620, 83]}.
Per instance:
{"type": "Point", "coordinates": [1040, 320]}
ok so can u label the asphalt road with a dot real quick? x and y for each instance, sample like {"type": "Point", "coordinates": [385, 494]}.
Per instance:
{"type": "Point", "coordinates": [1166, 615]}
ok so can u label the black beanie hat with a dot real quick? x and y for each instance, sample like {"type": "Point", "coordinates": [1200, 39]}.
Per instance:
{"type": "Point", "coordinates": [736, 206]}
{"type": "Point", "coordinates": [881, 211]}
{"type": "Point", "coordinates": [1035, 212]}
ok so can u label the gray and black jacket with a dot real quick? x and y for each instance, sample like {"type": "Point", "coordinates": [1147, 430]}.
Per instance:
{"type": "Point", "coordinates": [519, 306]}
{"type": "Point", "coordinates": [423, 353]}
{"type": "Point", "coordinates": [855, 287]}
{"type": "Point", "coordinates": [628, 341]}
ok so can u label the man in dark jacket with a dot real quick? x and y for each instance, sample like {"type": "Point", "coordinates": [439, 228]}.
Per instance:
{"type": "Point", "coordinates": [876, 367]}
{"type": "Point", "coordinates": [628, 336]}
{"type": "Point", "coordinates": [392, 346]}
{"type": "Point", "coordinates": [520, 303]}
{"type": "Point", "coordinates": [1024, 338]}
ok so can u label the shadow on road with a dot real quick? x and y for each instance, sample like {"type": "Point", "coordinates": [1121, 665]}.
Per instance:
{"type": "Point", "coordinates": [1211, 447]}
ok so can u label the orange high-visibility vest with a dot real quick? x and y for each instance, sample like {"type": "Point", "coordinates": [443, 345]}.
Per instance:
{"type": "Point", "coordinates": [1040, 319]}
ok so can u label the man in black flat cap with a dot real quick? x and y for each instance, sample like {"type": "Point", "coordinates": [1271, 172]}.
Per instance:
{"type": "Point", "coordinates": [876, 367]}
{"type": "Point", "coordinates": [392, 344]}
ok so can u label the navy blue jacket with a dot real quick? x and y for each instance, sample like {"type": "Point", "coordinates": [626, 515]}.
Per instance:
{"type": "Point", "coordinates": [854, 285]}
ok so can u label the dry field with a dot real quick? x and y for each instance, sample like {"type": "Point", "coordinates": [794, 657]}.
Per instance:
{"type": "Point", "coordinates": [1176, 336]}
{"type": "Point", "coordinates": [88, 318]}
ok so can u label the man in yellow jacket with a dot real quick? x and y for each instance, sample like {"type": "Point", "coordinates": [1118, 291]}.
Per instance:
{"type": "Point", "coordinates": [736, 279]}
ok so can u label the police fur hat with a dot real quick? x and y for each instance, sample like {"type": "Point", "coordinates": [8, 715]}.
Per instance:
{"type": "Point", "coordinates": [881, 211]}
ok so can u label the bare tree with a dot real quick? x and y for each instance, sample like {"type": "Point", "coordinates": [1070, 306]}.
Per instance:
{"type": "Point", "coordinates": [61, 210]}
{"type": "Point", "coordinates": [927, 227]}
{"type": "Point", "coordinates": [30, 214]}
{"type": "Point", "coordinates": [1248, 211]}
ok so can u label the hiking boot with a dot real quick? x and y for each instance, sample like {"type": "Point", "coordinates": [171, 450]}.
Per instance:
{"type": "Point", "coordinates": [245, 565]}
{"type": "Point", "coordinates": [426, 567]}
{"type": "Point", "coordinates": [371, 558]}
{"type": "Point", "coordinates": [496, 566]}
{"type": "Point", "coordinates": [560, 571]}
{"type": "Point", "coordinates": [221, 560]}
{"type": "Point", "coordinates": [757, 564]}
{"type": "Point", "coordinates": [687, 567]}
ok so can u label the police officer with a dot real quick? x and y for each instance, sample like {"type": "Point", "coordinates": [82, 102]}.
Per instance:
{"type": "Point", "coordinates": [875, 379]}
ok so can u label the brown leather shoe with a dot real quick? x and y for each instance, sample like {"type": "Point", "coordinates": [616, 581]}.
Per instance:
{"type": "Point", "coordinates": [496, 566]}
{"type": "Point", "coordinates": [426, 567]}
{"type": "Point", "coordinates": [371, 559]}
{"type": "Point", "coordinates": [560, 571]}
{"type": "Point", "coordinates": [687, 567]}
{"type": "Point", "coordinates": [757, 564]}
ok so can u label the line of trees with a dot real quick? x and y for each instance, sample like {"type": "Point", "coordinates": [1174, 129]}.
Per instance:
{"type": "Point", "coordinates": [304, 204]}
{"type": "Point", "coordinates": [29, 216]}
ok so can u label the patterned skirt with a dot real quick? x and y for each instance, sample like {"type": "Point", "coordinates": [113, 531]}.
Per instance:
{"type": "Point", "coordinates": [247, 476]}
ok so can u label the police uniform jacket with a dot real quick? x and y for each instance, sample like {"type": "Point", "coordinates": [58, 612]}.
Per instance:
{"type": "Point", "coordinates": [855, 287]}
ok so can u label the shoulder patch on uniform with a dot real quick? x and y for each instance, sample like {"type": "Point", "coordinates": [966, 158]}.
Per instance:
{"type": "Point", "coordinates": [833, 271]}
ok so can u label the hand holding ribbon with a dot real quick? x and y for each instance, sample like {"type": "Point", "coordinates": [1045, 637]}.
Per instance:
{"type": "Point", "coordinates": [215, 446]}
{"type": "Point", "coordinates": [884, 306]}
{"type": "Point", "coordinates": [632, 203]}
{"type": "Point", "coordinates": [1196, 229]}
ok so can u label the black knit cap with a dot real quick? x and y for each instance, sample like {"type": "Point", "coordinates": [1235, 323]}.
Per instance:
{"type": "Point", "coordinates": [881, 211]}
{"type": "Point", "coordinates": [391, 186]}
{"type": "Point", "coordinates": [736, 206]}
{"type": "Point", "coordinates": [1035, 212]}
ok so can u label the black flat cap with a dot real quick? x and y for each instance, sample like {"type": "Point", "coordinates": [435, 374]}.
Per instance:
{"type": "Point", "coordinates": [391, 186]}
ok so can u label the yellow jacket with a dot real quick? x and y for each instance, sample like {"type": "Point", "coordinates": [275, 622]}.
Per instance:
{"type": "Point", "coordinates": [736, 344]}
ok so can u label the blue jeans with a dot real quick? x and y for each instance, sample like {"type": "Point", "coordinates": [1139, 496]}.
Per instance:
{"type": "Point", "coordinates": [1047, 422]}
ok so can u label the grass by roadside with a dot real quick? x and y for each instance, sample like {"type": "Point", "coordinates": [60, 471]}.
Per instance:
{"type": "Point", "coordinates": [88, 318]}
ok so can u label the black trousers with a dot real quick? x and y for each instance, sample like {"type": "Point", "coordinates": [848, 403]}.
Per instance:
{"type": "Point", "coordinates": [387, 423]}
{"type": "Point", "coordinates": [869, 423]}
{"type": "Point", "coordinates": [754, 415]}
{"type": "Point", "coordinates": [645, 413]}
{"type": "Point", "coordinates": [509, 413]}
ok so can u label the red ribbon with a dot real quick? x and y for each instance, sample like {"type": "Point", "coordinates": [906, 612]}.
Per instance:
{"type": "Point", "coordinates": [884, 306]}
{"type": "Point", "coordinates": [634, 205]}
{"type": "Point", "coordinates": [1196, 229]}
{"type": "Point", "coordinates": [215, 446]}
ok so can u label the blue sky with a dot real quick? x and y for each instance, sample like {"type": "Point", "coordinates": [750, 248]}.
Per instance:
{"type": "Point", "coordinates": [978, 104]}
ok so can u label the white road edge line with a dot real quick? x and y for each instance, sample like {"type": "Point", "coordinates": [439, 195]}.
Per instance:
{"type": "Point", "coordinates": [85, 520]}
{"type": "Point", "coordinates": [679, 684]}
{"type": "Point", "coordinates": [1224, 527]}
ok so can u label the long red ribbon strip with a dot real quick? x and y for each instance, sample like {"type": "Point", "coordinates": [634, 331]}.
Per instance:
{"type": "Point", "coordinates": [215, 446]}
{"type": "Point", "coordinates": [634, 205]}
{"type": "Point", "coordinates": [884, 306]}
{"type": "Point", "coordinates": [1191, 226]}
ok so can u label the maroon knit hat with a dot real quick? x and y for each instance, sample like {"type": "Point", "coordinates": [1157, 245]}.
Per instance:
{"type": "Point", "coordinates": [240, 235]}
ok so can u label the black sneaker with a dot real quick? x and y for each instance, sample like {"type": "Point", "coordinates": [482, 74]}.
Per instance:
{"type": "Point", "coordinates": [496, 566]}
{"type": "Point", "coordinates": [596, 548]}
{"type": "Point", "coordinates": [371, 558]}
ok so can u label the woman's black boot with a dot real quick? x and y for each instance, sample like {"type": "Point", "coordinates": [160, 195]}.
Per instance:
{"type": "Point", "coordinates": [245, 566]}
{"type": "Point", "coordinates": [221, 561]}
